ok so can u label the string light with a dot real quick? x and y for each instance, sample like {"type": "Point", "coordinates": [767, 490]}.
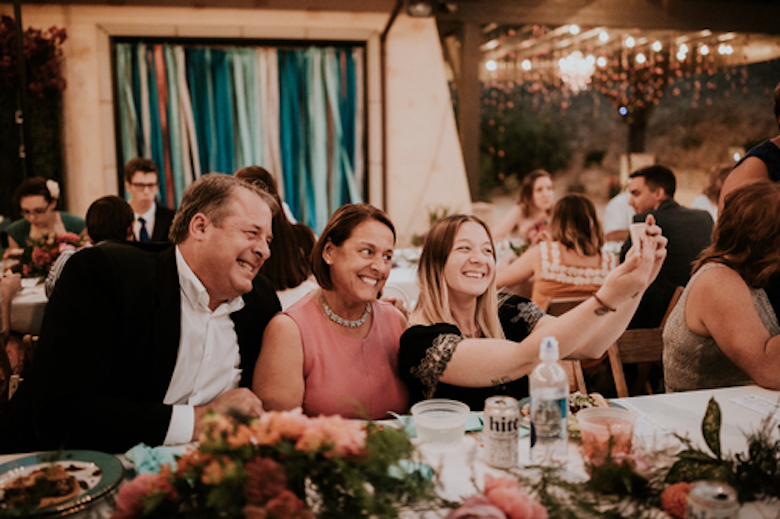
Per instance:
{"type": "Point", "coordinates": [657, 46]}
{"type": "Point", "coordinates": [574, 30]}
{"type": "Point", "coordinates": [526, 65]}
{"type": "Point", "coordinates": [603, 36]}
{"type": "Point", "coordinates": [630, 42]}
{"type": "Point", "coordinates": [491, 65]}
{"type": "Point", "coordinates": [704, 50]}
{"type": "Point", "coordinates": [601, 62]}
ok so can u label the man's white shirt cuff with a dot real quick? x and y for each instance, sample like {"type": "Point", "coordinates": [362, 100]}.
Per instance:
{"type": "Point", "coordinates": [181, 426]}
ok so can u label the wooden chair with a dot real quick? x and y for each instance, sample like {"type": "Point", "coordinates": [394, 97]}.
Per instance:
{"type": "Point", "coordinates": [573, 368]}
{"type": "Point", "coordinates": [642, 345]}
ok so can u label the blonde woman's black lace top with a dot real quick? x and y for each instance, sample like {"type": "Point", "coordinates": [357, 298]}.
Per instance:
{"type": "Point", "coordinates": [426, 350]}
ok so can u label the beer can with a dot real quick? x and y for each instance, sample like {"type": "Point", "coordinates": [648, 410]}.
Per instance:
{"type": "Point", "coordinates": [500, 431]}
{"type": "Point", "coordinates": [712, 500]}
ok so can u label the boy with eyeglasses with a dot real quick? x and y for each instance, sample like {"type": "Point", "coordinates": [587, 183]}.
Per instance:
{"type": "Point", "coordinates": [151, 220]}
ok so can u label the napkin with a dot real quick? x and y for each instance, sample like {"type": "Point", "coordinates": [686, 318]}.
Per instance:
{"type": "Point", "coordinates": [147, 459]}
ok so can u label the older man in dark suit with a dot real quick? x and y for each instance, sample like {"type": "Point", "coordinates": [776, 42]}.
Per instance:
{"type": "Point", "coordinates": [137, 345]}
{"type": "Point", "coordinates": [651, 191]}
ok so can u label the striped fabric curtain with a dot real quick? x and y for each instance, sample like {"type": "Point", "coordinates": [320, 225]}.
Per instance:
{"type": "Point", "coordinates": [297, 112]}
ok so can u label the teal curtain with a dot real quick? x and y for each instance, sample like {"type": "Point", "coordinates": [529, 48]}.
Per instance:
{"type": "Point", "coordinates": [198, 109]}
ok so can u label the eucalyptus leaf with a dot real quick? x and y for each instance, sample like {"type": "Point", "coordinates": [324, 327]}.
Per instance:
{"type": "Point", "coordinates": [710, 427]}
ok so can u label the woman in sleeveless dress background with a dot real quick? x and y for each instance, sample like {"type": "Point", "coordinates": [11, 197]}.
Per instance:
{"type": "Point", "coordinates": [723, 331]}
{"type": "Point", "coordinates": [573, 264]}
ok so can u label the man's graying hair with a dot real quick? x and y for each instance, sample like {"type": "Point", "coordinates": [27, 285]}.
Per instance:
{"type": "Point", "coordinates": [211, 195]}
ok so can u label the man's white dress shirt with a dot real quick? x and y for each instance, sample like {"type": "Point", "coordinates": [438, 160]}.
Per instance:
{"type": "Point", "coordinates": [208, 361]}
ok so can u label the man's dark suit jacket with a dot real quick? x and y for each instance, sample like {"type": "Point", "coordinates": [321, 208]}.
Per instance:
{"type": "Point", "coordinates": [107, 351]}
{"type": "Point", "coordinates": [163, 218]}
{"type": "Point", "coordinates": [689, 231]}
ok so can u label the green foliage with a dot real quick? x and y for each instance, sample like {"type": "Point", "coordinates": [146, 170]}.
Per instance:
{"type": "Point", "coordinates": [516, 140]}
{"type": "Point", "coordinates": [693, 463]}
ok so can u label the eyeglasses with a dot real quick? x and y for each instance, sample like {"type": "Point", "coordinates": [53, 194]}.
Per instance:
{"type": "Point", "coordinates": [37, 211]}
{"type": "Point", "coordinates": [141, 186]}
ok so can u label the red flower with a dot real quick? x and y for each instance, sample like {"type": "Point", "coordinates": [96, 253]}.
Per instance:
{"type": "Point", "coordinates": [287, 506]}
{"type": "Point", "coordinates": [674, 499]}
{"type": "Point", "coordinates": [265, 479]}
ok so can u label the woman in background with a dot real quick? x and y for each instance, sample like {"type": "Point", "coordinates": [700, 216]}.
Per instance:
{"type": "Point", "coordinates": [528, 218]}
{"type": "Point", "coordinates": [708, 200]}
{"type": "Point", "coordinates": [336, 350]}
{"type": "Point", "coordinates": [37, 200]}
{"type": "Point", "coordinates": [723, 331]}
{"type": "Point", "coordinates": [289, 267]}
{"type": "Point", "coordinates": [572, 264]}
{"type": "Point", "coordinates": [463, 345]}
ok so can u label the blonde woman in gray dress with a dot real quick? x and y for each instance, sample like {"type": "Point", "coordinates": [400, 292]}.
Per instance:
{"type": "Point", "coordinates": [723, 331]}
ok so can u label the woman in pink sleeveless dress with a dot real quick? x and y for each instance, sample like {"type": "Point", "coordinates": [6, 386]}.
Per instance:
{"type": "Point", "coordinates": [335, 351]}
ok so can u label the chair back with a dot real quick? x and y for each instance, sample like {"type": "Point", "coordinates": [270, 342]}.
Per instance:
{"type": "Point", "coordinates": [639, 346]}
{"type": "Point", "coordinates": [573, 368]}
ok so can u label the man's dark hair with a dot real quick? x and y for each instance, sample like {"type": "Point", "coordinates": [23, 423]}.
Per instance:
{"type": "Point", "coordinates": [658, 176]}
{"type": "Point", "coordinates": [139, 164]}
{"type": "Point", "coordinates": [212, 195]}
{"type": "Point", "coordinates": [109, 218]}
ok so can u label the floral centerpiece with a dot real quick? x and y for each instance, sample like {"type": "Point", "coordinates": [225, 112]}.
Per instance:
{"type": "Point", "coordinates": [39, 254]}
{"type": "Point", "coordinates": [283, 465]}
{"type": "Point", "coordinates": [649, 484]}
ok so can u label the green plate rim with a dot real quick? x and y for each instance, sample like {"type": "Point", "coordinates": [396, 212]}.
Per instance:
{"type": "Point", "coordinates": [112, 474]}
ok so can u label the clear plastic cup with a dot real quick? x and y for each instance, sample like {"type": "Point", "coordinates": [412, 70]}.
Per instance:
{"type": "Point", "coordinates": [603, 429]}
{"type": "Point", "coordinates": [440, 421]}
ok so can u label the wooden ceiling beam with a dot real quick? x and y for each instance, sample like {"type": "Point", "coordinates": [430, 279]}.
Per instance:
{"type": "Point", "coordinates": [684, 15]}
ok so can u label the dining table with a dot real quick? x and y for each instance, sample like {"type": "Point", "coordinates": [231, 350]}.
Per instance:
{"type": "Point", "coordinates": [660, 419]}
{"type": "Point", "coordinates": [28, 307]}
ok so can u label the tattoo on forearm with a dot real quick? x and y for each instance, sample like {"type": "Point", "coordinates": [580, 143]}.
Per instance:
{"type": "Point", "coordinates": [500, 381]}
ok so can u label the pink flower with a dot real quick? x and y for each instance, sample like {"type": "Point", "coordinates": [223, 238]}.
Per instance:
{"type": "Point", "coordinates": [65, 246]}
{"type": "Point", "coordinates": [130, 500]}
{"type": "Point", "coordinates": [340, 437]}
{"type": "Point", "coordinates": [505, 493]}
{"type": "Point", "coordinates": [476, 507]}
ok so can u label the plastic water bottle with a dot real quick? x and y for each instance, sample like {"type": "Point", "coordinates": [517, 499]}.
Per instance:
{"type": "Point", "coordinates": [549, 388]}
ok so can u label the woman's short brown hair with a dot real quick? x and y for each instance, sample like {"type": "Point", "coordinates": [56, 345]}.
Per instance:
{"type": "Point", "coordinates": [338, 230]}
{"type": "Point", "coordinates": [747, 235]}
{"type": "Point", "coordinates": [576, 225]}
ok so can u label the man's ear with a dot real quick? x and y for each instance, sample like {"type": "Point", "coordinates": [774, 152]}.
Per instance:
{"type": "Point", "coordinates": [659, 194]}
{"type": "Point", "coordinates": [199, 226]}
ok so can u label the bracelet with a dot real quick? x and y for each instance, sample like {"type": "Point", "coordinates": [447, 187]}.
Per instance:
{"type": "Point", "coordinates": [604, 308]}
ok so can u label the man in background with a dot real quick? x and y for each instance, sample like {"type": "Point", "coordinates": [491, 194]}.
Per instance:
{"type": "Point", "coordinates": [651, 191]}
{"type": "Point", "coordinates": [152, 220]}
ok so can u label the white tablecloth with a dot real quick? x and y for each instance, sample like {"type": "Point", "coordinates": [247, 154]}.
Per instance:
{"type": "Point", "coordinates": [27, 308]}
{"type": "Point", "coordinates": [742, 408]}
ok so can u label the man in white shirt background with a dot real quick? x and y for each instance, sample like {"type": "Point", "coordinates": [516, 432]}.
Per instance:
{"type": "Point", "coordinates": [152, 220]}
{"type": "Point", "coordinates": [139, 343]}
